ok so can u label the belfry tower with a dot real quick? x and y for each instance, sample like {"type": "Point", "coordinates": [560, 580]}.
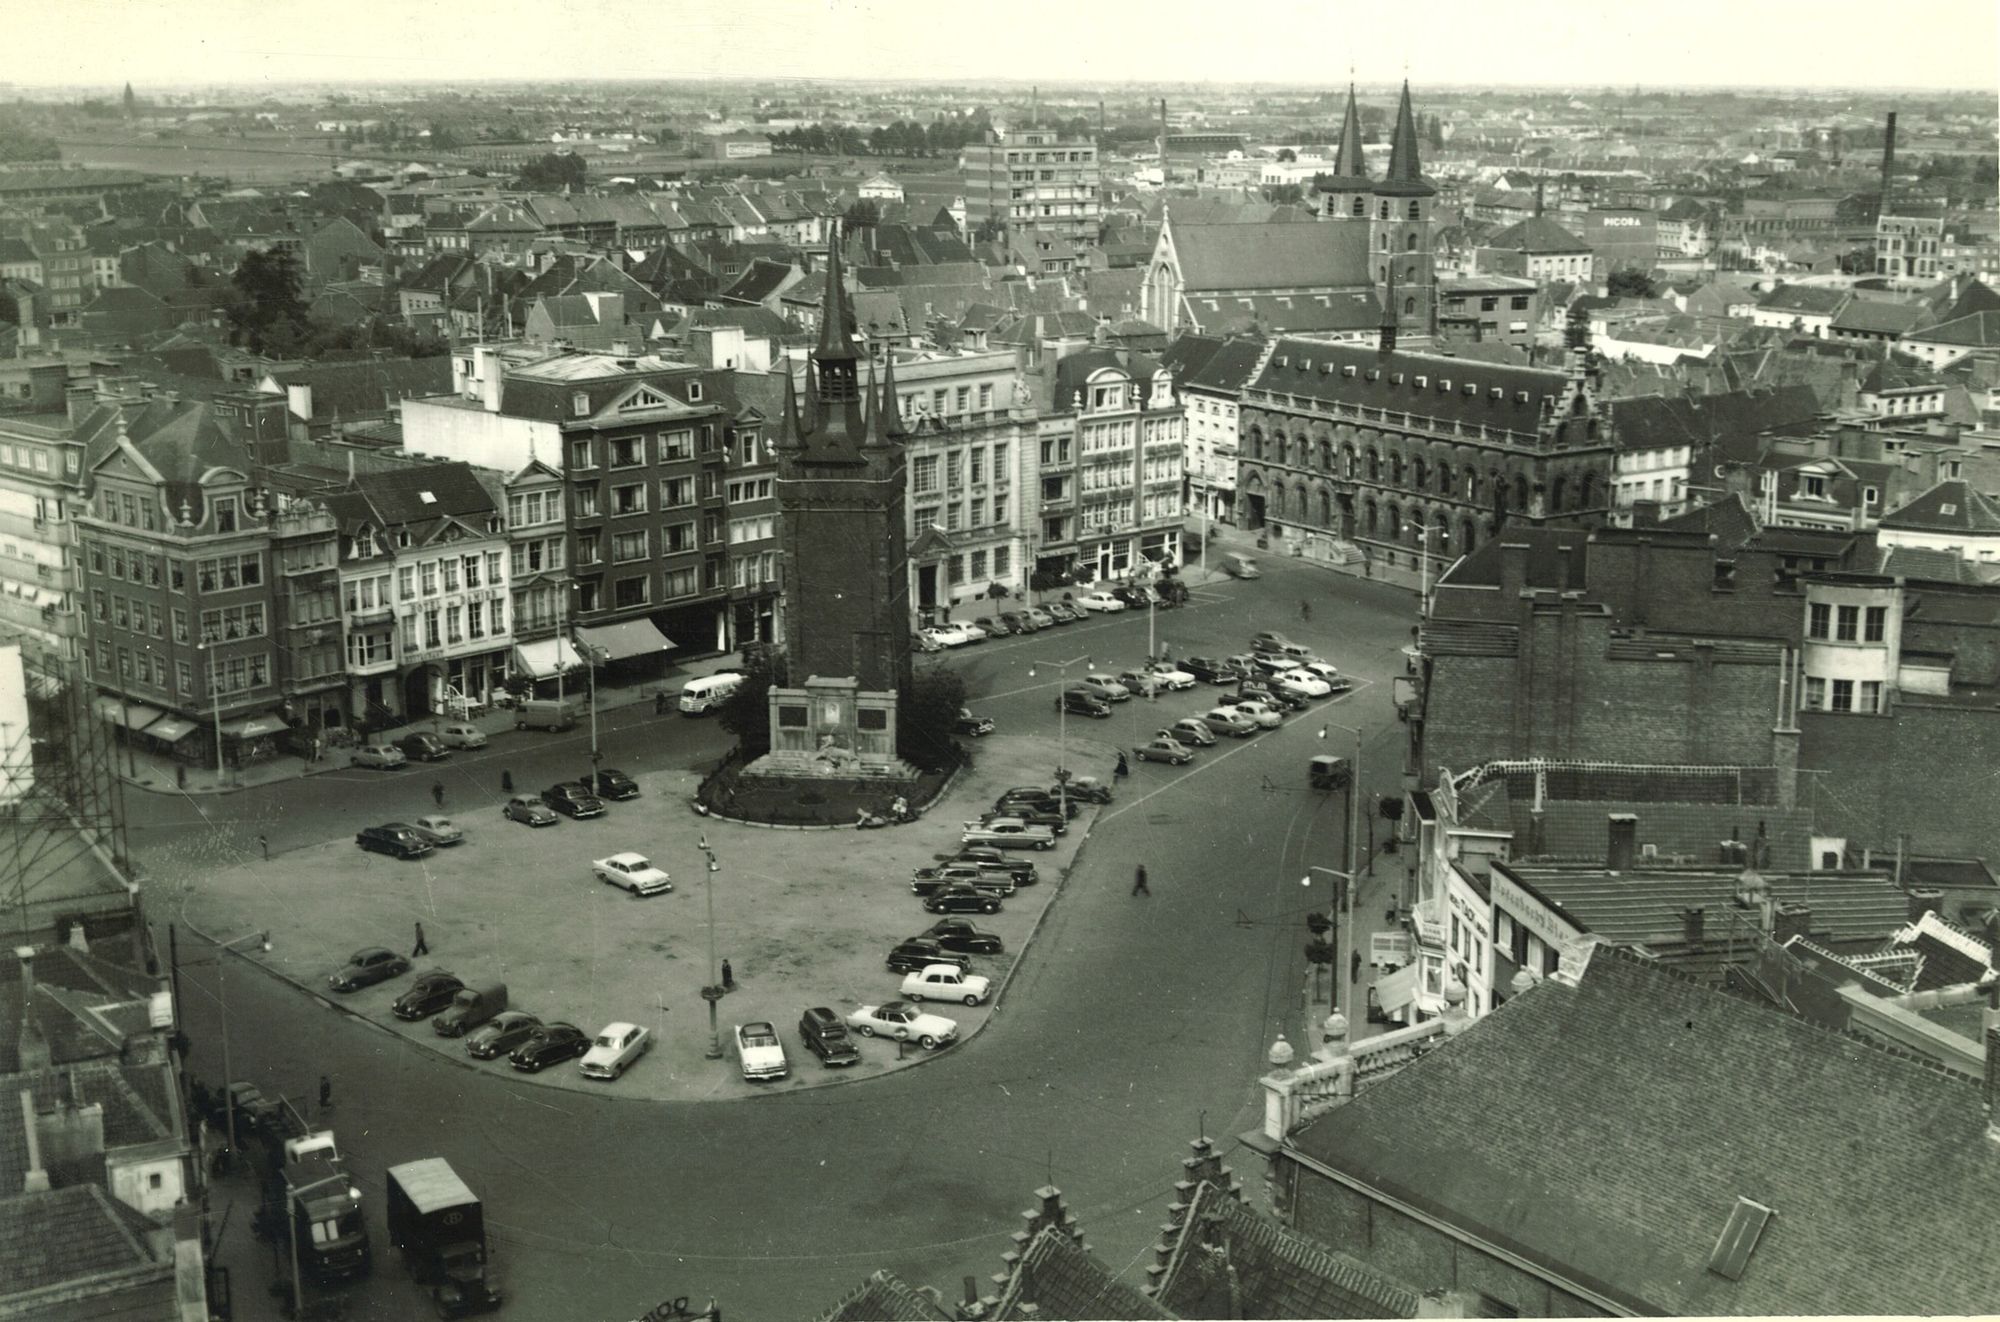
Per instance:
{"type": "Point", "coordinates": [840, 493]}
{"type": "Point", "coordinates": [1402, 221]}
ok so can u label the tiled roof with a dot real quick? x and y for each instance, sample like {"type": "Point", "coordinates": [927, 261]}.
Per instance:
{"type": "Point", "coordinates": [1607, 1129]}
{"type": "Point", "coordinates": [1815, 300]}
{"type": "Point", "coordinates": [1537, 234]}
{"type": "Point", "coordinates": [1295, 368]}
{"type": "Point", "coordinates": [1728, 520]}
{"type": "Point", "coordinates": [1227, 369]}
{"type": "Point", "coordinates": [934, 273]}
{"type": "Point", "coordinates": [1731, 421]}
{"type": "Point", "coordinates": [759, 282]}
{"type": "Point", "coordinates": [1880, 317]}
{"type": "Point", "coordinates": [357, 390]}
{"type": "Point", "coordinates": [1187, 353]}
{"type": "Point", "coordinates": [1062, 1280]}
{"type": "Point", "coordinates": [1928, 565]}
{"type": "Point", "coordinates": [1979, 330]}
{"type": "Point", "coordinates": [424, 492]}
{"type": "Point", "coordinates": [1556, 559]}
{"type": "Point", "coordinates": [1949, 507]}
{"type": "Point", "coordinates": [886, 1297]}
{"type": "Point", "coordinates": [1950, 956]}
{"type": "Point", "coordinates": [1219, 259]}
{"type": "Point", "coordinates": [1247, 1261]}
{"type": "Point", "coordinates": [67, 1236]}
{"type": "Point", "coordinates": [1958, 873]}
{"type": "Point", "coordinates": [1577, 830]}
{"type": "Point", "coordinates": [1301, 314]}
{"type": "Point", "coordinates": [879, 312]}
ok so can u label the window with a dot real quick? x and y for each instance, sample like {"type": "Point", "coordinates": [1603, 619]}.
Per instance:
{"type": "Point", "coordinates": [180, 618]}
{"type": "Point", "coordinates": [587, 552]}
{"type": "Point", "coordinates": [1819, 620]}
{"type": "Point", "coordinates": [676, 492]}
{"type": "Point", "coordinates": [406, 583]}
{"type": "Point", "coordinates": [1877, 624]}
{"type": "Point", "coordinates": [588, 596]}
{"type": "Point", "coordinates": [225, 514]}
{"type": "Point", "coordinates": [629, 499]}
{"type": "Point", "coordinates": [676, 445]}
{"type": "Point", "coordinates": [493, 568]}
{"type": "Point", "coordinates": [1847, 626]}
{"type": "Point", "coordinates": [677, 537]}
{"type": "Point", "coordinates": [1815, 693]}
{"type": "Point", "coordinates": [1002, 561]}
{"type": "Point", "coordinates": [682, 583]}
{"type": "Point", "coordinates": [1843, 695]}
{"type": "Point", "coordinates": [751, 530]}
{"type": "Point", "coordinates": [450, 568]}
{"type": "Point", "coordinates": [924, 473]}
{"type": "Point", "coordinates": [471, 563]}
{"type": "Point", "coordinates": [579, 404]}
{"type": "Point", "coordinates": [627, 451]}
{"type": "Point", "coordinates": [628, 546]}
{"type": "Point", "coordinates": [579, 453]}
{"type": "Point", "coordinates": [229, 571]}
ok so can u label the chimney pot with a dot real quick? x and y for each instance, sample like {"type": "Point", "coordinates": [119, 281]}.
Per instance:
{"type": "Point", "coordinates": [1923, 900]}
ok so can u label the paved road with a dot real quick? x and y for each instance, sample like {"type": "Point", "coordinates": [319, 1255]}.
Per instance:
{"type": "Point", "coordinates": [1134, 1022]}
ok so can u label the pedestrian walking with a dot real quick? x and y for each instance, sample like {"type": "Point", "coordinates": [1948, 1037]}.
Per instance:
{"type": "Point", "coordinates": [437, 792]}
{"type": "Point", "coordinates": [1305, 611]}
{"type": "Point", "coordinates": [1139, 886]}
{"type": "Point", "coordinates": [1354, 966]}
{"type": "Point", "coordinates": [325, 1092]}
{"type": "Point", "coordinates": [423, 947]}
{"type": "Point", "coordinates": [660, 703]}
{"type": "Point", "coordinates": [506, 782]}
{"type": "Point", "coordinates": [1123, 768]}
{"type": "Point", "coordinates": [264, 843]}
{"type": "Point", "coordinates": [728, 977]}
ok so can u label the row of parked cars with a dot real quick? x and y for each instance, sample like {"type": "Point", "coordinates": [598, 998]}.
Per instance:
{"type": "Point", "coordinates": [1033, 619]}
{"type": "Point", "coordinates": [421, 746]}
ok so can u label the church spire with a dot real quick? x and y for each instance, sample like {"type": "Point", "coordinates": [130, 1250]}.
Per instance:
{"type": "Point", "coordinates": [836, 322]}
{"type": "Point", "coordinates": [891, 413]}
{"type": "Point", "coordinates": [1404, 168]}
{"type": "Point", "coordinates": [1349, 163]}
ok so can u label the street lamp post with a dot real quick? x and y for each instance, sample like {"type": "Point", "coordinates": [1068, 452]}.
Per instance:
{"type": "Point", "coordinates": [1353, 859]}
{"type": "Point", "coordinates": [215, 694]}
{"type": "Point", "coordinates": [1062, 729]}
{"type": "Point", "coordinates": [593, 657]}
{"type": "Point", "coordinates": [713, 991]}
{"type": "Point", "coordinates": [1424, 531]}
{"type": "Point", "coordinates": [224, 948]}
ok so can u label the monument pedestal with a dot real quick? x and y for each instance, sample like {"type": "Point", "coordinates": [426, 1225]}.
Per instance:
{"type": "Point", "coordinates": [832, 729]}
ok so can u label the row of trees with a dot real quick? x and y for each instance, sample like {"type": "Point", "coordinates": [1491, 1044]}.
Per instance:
{"type": "Point", "coordinates": [552, 172]}
{"type": "Point", "coordinates": [267, 314]}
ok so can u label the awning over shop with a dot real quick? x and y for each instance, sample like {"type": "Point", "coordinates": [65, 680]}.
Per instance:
{"type": "Point", "coordinates": [543, 658]}
{"type": "Point", "coordinates": [1396, 990]}
{"type": "Point", "coordinates": [170, 729]}
{"type": "Point", "coordinates": [131, 715]}
{"type": "Point", "coordinates": [254, 727]}
{"type": "Point", "coordinates": [631, 638]}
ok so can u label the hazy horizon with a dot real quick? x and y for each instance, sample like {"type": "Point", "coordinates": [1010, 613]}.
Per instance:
{"type": "Point", "coordinates": [1707, 45]}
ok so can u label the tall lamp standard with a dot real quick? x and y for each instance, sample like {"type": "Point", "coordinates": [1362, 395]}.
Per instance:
{"type": "Point", "coordinates": [713, 991]}
{"type": "Point", "coordinates": [209, 663]}
{"type": "Point", "coordinates": [1424, 531]}
{"type": "Point", "coordinates": [1346, 896]}
{"type": "Point", "coordinates": [1062, 728]}
{"type": "Point", "coordinates": [593, 657]}
{"type": "Point", "coordinates": [223, 949]}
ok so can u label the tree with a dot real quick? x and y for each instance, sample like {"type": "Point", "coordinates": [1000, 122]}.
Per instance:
{"type": "Point", "coordinates": [1631, 284]}
{"type": "Point", "coordinates": [747, 713]}
{"type": "Point", "coordinates": [553, 172]}
{"type": "Point", "coordinates": [1436, 134]}
{"type": "Point", "coordinates": [267, 309]}
{"type": "Point", "coordinates": [927, 716]}
{"type": "Point", "coordinates": [1283, 194]}
{"type": "Point", "coordinates": [1287, 154]}
{"type": "Point", "coordinates": [864, 212]}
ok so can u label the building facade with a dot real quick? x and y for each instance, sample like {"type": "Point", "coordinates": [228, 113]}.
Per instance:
{"type": "Point", "coordinates": [1035, 177]}
{"type": "Point", "coordinates": [1111, 446]}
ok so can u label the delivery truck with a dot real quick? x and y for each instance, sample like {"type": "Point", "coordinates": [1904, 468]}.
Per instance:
{"type": "Point", "coordinates": [439, 1225]}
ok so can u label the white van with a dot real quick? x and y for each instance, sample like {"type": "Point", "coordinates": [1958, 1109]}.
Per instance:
{"type": "Point", "coordinates": [704, 695]}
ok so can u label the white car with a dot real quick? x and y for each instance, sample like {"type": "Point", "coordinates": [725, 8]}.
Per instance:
{"type": "Point", "coordinates": [1263, 713]}
{"type": "Point", "coordinates": [1105, 687]}
{"type": "Point", "coordinates": [1306, 682]}
{"type": "Point", "coordinates": [1100, 601]}
{"type": "Point", "coordinates": [973, 633]}
{"type": "Point", "coordinates": [614, 1050]}
{"type": "Point", "coordinates": [759, 1052]}
{"type": "Point", "coordinates": [1143, 683]}
{"type": "Point", "coordinates": [1171, 675]}
{"type": "Point", "coordinates": [947, 635]}
{"type": "Point", "coordinates": [635, 872]}
{"type": "Point", "coordinates": [1335, 681]}
{"type": "Point", "coordinates": [460, 735]}
{"type": "Point", "coordinates": [946, 982]}
{"type": "Point", "coordinates": [439, 830]}
{"type": "Point", "coordinates": [905, 1023]}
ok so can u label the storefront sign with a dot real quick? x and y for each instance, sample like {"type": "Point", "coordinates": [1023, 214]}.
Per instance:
{"type": "Point", "coordinates": [1531, 913]}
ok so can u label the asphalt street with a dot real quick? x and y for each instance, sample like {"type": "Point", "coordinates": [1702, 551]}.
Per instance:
{"type": "Point", "coordinates": [1133, 1024]}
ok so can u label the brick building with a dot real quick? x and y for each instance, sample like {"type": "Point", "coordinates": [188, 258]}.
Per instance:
{"type": "Point", "coordinates": [1035, 177]}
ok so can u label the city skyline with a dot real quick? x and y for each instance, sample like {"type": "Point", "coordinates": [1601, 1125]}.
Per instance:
{"type": "Point", "coordinates": [95, 43]}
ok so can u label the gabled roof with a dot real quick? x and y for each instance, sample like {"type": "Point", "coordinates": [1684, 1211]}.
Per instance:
{"type": "Point", "coordinates": [1536, 234]}
{"type": "Point", "coordinates": [1061, 1279]}
{"type": "Point", "coordinates": [362, 389]}
{"type": "Point", "coordinates": [1812, 300]}
{"type": "Point", "coordinates": [1228, 369]}
{"type": "Point", "coordinates": [1645, 1105]}
{"type": "Point", "coordinates": [886, 1297]}
{"type": "Point", "coordinates": [760, 280]}
{"type": "Point", "coordinates": [1318, 370]}
{"type": "Point", "coordinates": [1217, 259]}
{"type": "Point", "coordinates": [1880, 317]}
{"type": "Point", "coordinates": [1927, 565]}
{"type": "Point", "coordinates": [1951, 506]}
{"type": "Point", "coordinates": [423, 493]}
{"type": "Point", "coordinates": [1979, 330]}
{"type": "Point", "coordinates": [67, 1236]}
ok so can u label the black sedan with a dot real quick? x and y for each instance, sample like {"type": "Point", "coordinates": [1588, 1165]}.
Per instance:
{"type": "Point", "coordinates": [365, 968]}
{"type": "Point", "coordinates": [961, 937]}
{"type": "Point", "coordinates": [551, 1045]}
{"type": "Point", "coordinates": [397, 839]}
{"type": "Point", "coordinates": [1212, 670]}
{"type": "Point", "coordinates": [430, 993]}
{"type": "Point", "coordinates": [501, 1034]}
{"type": "Point", "coordinates": [919, 952]}
{"type": "Point", "coordinates": [610, 784]}
{"type": "Point", "coordinates": [961, 899]}
{"type": "Point", "coordinates": [969, 724]}
{"type": "Point", "coordinates": [573, 800]}
{"type": "Point", "coordinates": [1082, 702]}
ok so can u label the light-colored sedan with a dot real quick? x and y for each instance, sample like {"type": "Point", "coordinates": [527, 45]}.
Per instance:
{"type": "Point", "coordinates": [383, 757]}
{"type": "Point", "coordinates": [1165, 750]}
{"type": "Point", "coordinates": [1171, 675]}
{"type": "Point", "coordinates": [1105, 687]}
{"type": "Point", "coordinates": [1227, 720]}
{"type": "Point", "coordinates": [459, 734]}
{"type": "Point", "coordinates": [974, 633]}
{"type": "Point", "coordinates": [943, 635]}
{"type": "Point", "coordinates": [439, 830]}
{"type": "Point", "coordinates": [1144, 683]}
{"type": "Point", "coordinates": [634, 872]}
{"type": "Point", "coordinates": [1263, 713]}
{"type": "Point", "coordinates": [759, 1052]}
{"type": "Point", "coordinates": [905, 1023]}
{"type": "Point", "coordinates": [1042, 619]}
{"type": "Point", "coordinates": [946, 982]}
{"type": "Point", "coordinates": [615, 1050]}
{"type": "Point", "coordinates": [1306, 682]}
{"type": "Point", "coordinates": [1336, 681]}
{"type": "Point", "coordinates": [1100, 601]}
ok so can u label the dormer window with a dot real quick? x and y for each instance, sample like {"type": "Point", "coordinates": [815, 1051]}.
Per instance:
{"type": "Point", "coordinates": [225, 514]}
{"type": "Point", "coordinates": [579, 404]}
{"type": "Point", "coordinates": [694, 392]}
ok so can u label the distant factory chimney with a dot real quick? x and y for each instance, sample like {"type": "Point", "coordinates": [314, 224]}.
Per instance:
{"type": "Point", "coordinates": [1163, 140]}
{"type": "Point", "coordinates": [1888, 160]}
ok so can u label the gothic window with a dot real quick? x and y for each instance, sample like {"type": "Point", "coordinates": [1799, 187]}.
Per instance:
{"type": "Point", "coordinates": [1325, 508]}
{"type": "Point", "coordinates": [1382, 274]}
{"type": "Point", "coordinates": [1395, 524]}
{"type": "Point", "coordinates": [1383, 211]}
{"type": "Point", "coordinates": [1395, 470]}
{"type": "Point", "coordinates": [1520, 491]}
{"type": "Point", "coordinates": [1278, 441]}
{"type": "Point", "coordinates": [1325, 455]}
{"type": "Point", "coordinates": [1256, 442]}
{"type": "Point", "coordinates": [1347, 460]}
{"type": "Point", "coordinates": [1416, 211]}
{"type": "Point", "coordinates": [1359, 207]}
{"type": "Point", "coordinates": [1409, 307]}
{"type": "Point", "coordinates": [1382, 242]}
{"type": "Point", "coordinates": [1374, 466]}
{"type": "Point", "coordinates": [1466, 531]}
{"type": "Point", "coordinates": [1418, 474]}
{"type": "Point", "coordinates": [1369, 516]}
{"type": "Point", "coordinates": [1557, 494]}
{"type": "Point", "coordinates": [1444, 479]}
{"type": "Point", "coordinates": [1410, 242]}
{"type": "Point", "coordinates": [1587, 494]}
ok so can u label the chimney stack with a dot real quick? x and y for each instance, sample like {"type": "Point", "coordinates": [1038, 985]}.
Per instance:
{"type": "Point", "coordinates": [1790, 920]}
{"type": "Point", "coordinates": [1622, 841]}
{"type": "Point", "coordinates": [1888, 160]}
{"type": "Point", "coordinates": [1923, 900]}
{"type": "Point", "coordinates": [1692, 923]}
{"type": "Point", "coordinates": [37, 1180]}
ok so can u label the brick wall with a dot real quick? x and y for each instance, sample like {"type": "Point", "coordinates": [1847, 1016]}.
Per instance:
{"type": "Point", "coordinates": [1928, 771]}
{"type": "Point", "coordinates": [1667, 582]}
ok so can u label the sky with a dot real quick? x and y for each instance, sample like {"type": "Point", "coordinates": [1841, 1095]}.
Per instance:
{"type": "Point", "coordinates": [1802, 43]}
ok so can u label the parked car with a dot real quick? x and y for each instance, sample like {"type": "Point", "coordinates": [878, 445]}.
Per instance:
{"type": "Point", "coordinates": [1269, 691]}
{"type": "Point", "coordinates": [1087, 789]}
{"type": "Point", "coordinates": [471, 1006]}
{"type": "Point", "coordinates": [946, 982]}
{"type": "Point", "coordinates": [633, 872]}
{"type": "Point", "coordinates": [501, 1034]}
{"type": "Point", "coordinates": [929, 881]}
{"type": "Point", "coordinates": [1144, 683]}
{"type": "Point", "coordinates": [458, 734]}
{"type": "Point", "coordinates": [992, 627]}
{"type": "Point", "coordinates": [551, 1044]}
{"type": "Point", "coordinates": [1165, 750]}
{"type": "Point", "coordinates": [423, 747]}
{"type": "Point", "coordinates": [1105, 687]}
{"type": "Point", "coordinates": [920, 952]}
{"type": "Point", "coordinates": [573, 799]}
{"type": "Point", "coordinates": [973, 631]}
{"type": "Point", "coordinates": [366, 967]}
{"type": "Point", "coordinates": [968, 724]}
{"type": "Point", "coordinates": [431, 992]}
{"type": "Point", "coordinates": [1227, 720]}
{"type": "Point", "coordinates": [904, 1022]}
{"type": "Point", "coordinates": [439, 830]}
{"type": "Point", "coordinates": [382, 757]}
{"type": "Point", "coordinates": [618, 1045]}
{"type": "Point", "coordinates": [954, 634]}
{"type": "Point", "coordinates": [609, 783]}
{"type": "Point", "coordinates": [398, 839]}
{"type": "Point", "coordinates": [1304, 682]}
{"type": "Point", "coordinates": [1263, 665]}
{"type": "Point", "coordinates": [1055, 820]}
{"type": "Point", "coordinates": [1212, 670]}
{"type": "Point", "coordinates": [1266, 715]}
{"type": "Point", "coordinates": [1036, 796]}
{"type": "Point", "coordinates": [1043, 619]}
{"type": "Point", "coordinates": [826, 1037]}
{"type": "Point", "coordinates": [1018, 622]}
{"type": "Point", "coordinates": [1083, 702]}
{"type": "Point", "coordinates": [1190, 730]}
{"type": "Point", "coordinates": [1172, 675]}
{"type": "Point", "coordinates": [529, 811]}
{"type": "Point", "coordinates": [1137, 598]}
{"type": "Point", "coordinates": [960, 937]}
{"type": "Point", "coordinates": [1274, 642]}
{"type": "Point", "coordinates": [759, 1053]}
{"type": "Point", "coordinates": [1064, 612]}
{"type": "Point", "coordinates": [1007, 833]}
{"type": "Point", "coordinates": [1335, 681]}
{"type": "Point", "coordinates": [1100, 601]}
{"type": "Point", "coordinates": [962, 899]}
{"type": "Point", "coordinates": [996, 860]}
{"type": "Point", "coordinates": [932, 640]}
